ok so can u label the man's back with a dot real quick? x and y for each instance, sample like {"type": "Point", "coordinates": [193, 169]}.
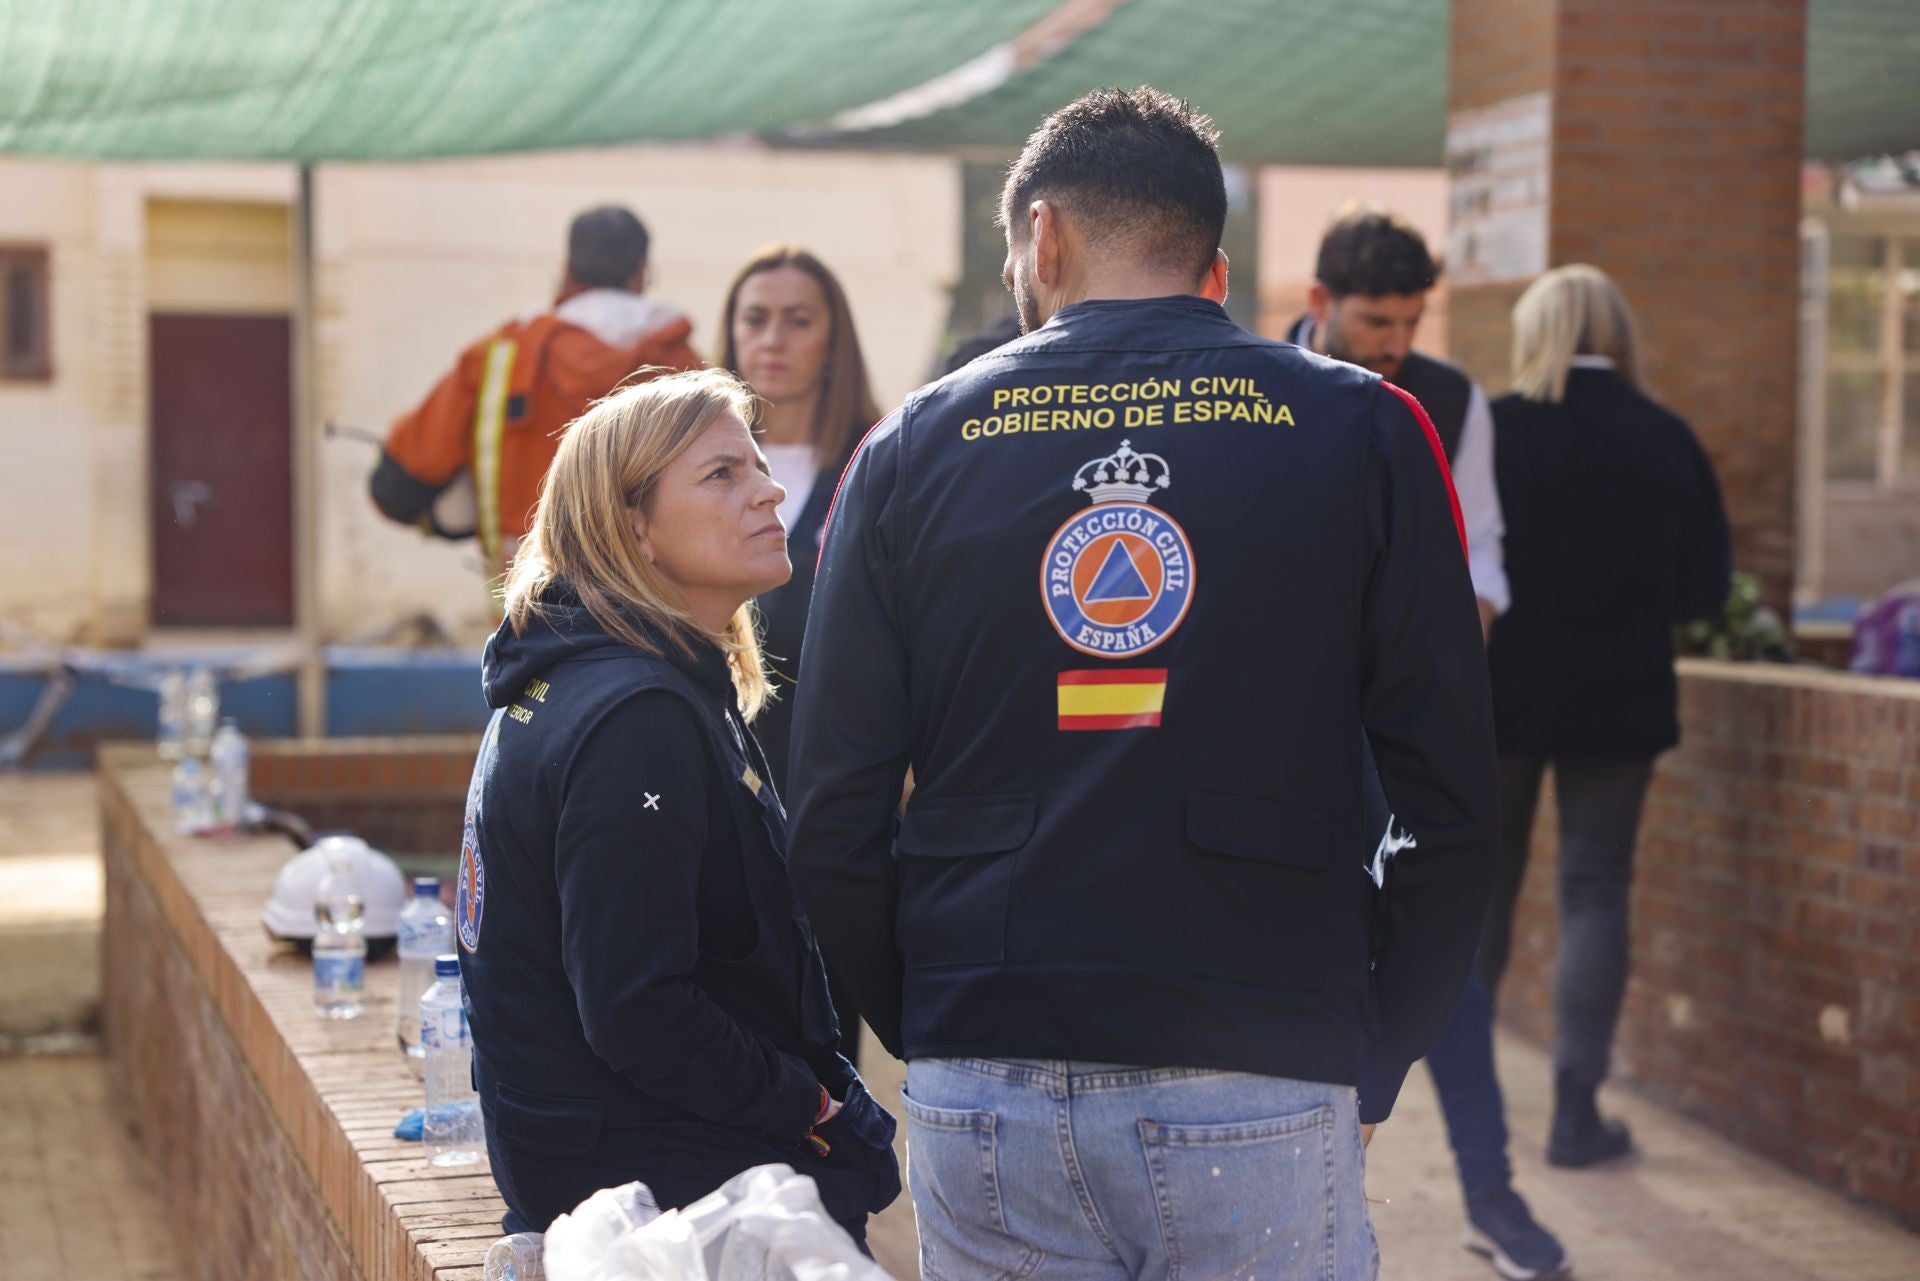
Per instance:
{"type": "Point", "coordinates": [1125, 595]}
{"type": "Point", "coordinates": [494, 420]}
{"type": "Point", "coordinates": [1128, 581]}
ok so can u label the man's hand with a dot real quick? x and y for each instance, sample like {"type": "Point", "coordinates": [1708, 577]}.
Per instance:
{"type": "Point", "coordinates": [1486, 619]}
{"type": "Point", "coordinates": [1366, 1136]}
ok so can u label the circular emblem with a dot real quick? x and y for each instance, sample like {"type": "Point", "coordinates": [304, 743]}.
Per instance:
{"type": "Point", "coordinates": [470, 896]}
{"type": "Point", "coordinates": [1117, 579]}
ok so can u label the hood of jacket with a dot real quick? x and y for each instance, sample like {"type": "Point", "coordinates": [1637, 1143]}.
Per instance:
{"type": "Point", "coordinates": [594, 341]}
{"type": "Point", "coordinates": [562, 629]}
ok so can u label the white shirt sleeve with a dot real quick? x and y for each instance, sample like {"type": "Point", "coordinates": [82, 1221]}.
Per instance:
{"type": "Point", "coordinates": [1480, 504]}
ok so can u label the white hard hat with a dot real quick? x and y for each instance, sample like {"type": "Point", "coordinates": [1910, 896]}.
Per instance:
{"type": "Point", "coordinates": [383, 891]}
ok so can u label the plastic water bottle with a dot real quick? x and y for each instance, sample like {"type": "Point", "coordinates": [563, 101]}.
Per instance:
{"type": "Point", "coordinates": [203, 711]}
{"type": "Point", "coordinates": [230, 756]}
{"type": "Point", "coordinates": [339, 939]}
{"type": "Point", "coordinates": [452, 1127]}
{"type": "Point", "coordinates": [192, 798]}
{"type": "Point", "coordinates": [517, 1258]}
{"type": "Point", "coordinates": [426, 932]}
{"type": "Point", "coordinates": [171, 734]}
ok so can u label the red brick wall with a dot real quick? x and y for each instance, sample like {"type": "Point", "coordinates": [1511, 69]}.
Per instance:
{"type": "Point", "coordinates": [1499, 49]}
{"type": "Point", "coordinates": [1775, 990]}
{"type": "Point", "coordinates": [406, 796]}
{"type": "Point", "coordinates": [1675, 169]}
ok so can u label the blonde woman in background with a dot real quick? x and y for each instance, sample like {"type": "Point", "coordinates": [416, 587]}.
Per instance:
{"type": "Point", "coordinates": [1615, 532]}
{"type": "Point", "coordinates": [646, 998]}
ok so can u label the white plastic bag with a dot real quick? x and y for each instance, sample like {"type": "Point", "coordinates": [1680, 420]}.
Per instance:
{"type": "Point", "coordinates": [766, 1224]}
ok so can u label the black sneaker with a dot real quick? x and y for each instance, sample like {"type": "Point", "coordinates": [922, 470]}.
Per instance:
{"type": "Point", "coordinates": [1501, 1229]}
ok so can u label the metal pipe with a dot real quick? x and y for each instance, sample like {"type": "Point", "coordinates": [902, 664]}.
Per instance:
{"type": "Point", "coordinates": [306, 469]}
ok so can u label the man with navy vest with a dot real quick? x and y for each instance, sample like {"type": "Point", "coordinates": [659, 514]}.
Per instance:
{"type": "Point", "coordinates": [1129, 595]}
{"type": "Point", "coordinates": [1371, 280]}
{"type": "Point", "coordinates": [1368, 296]}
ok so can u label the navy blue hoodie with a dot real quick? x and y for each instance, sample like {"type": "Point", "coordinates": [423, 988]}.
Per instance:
{"type": "Point", "coordinates": [645, 994]}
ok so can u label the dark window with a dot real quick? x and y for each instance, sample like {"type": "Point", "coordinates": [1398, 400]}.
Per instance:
{"type": "Point", "coordinates": [26, 348]}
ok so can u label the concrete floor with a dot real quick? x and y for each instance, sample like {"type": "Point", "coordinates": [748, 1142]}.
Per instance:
{"type": "Point", "coordinates": [1692, 1206]}
{"type": "Point", "coordinates": [50, 906]}
{"type": "Point", "coordinates": [76, 1198]}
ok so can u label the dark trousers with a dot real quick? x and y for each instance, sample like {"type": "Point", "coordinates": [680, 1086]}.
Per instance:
{"type": "Point", "coordinates": [1461, 1063]}
{"type": "Point", "coordinates": [1599, 804]}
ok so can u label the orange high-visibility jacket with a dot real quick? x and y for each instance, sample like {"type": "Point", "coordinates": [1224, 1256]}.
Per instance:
{"type": "Point", "coordinates": [500, 412]}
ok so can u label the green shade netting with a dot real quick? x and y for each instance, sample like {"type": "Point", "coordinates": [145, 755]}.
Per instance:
{"type": "Point", "coordinates": [1364, 82]}
{"type": "Point", "coordinates": [1863, 77]}
{"type": "Point", "coordinates": [317, 80]}
{"type": "Point", "coordinates": [1359, 82]}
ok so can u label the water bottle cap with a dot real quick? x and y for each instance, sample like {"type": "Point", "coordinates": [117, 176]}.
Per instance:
{"type": "Point", "coordinates": [426, 887]}
{"type": "Point", "coordinates": [446, 967]}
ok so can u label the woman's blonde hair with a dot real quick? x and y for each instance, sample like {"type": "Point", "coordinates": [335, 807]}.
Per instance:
{"type": "Point", "coordinates": [1570, 311]}
{"type": "Point", "coordinates": [608, 463]}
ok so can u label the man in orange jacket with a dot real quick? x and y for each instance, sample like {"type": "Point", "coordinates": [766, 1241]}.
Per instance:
{"type": "Point", "coordinates": [490, 427]}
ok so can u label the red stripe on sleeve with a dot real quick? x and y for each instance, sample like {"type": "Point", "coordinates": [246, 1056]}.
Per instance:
{"type": "Point", "coordinates": [827, 524]}
{"type": "Point", "coordinates": [1439, 456]}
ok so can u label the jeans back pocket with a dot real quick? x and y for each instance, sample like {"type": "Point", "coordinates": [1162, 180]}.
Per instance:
{"type": "Point", "coordinates": [953, 1171]}
{"type": "Point", "coordinates": [1249, 1198]}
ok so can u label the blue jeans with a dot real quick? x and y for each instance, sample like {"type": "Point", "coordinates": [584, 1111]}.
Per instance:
{"type": "Point", "coordinates": [1095, 1172]}
{"type": "Point", "coordinates": [1461, 1062]}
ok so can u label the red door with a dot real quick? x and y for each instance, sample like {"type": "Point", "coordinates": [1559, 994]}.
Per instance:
{"type": "Point", "coordinates": [222, 474]}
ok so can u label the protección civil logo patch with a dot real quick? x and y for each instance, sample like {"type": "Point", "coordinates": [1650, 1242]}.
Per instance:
{"type": "Point", "coordinates": [470, 892]}
{"type": "Point", "coordinates": [1117, 578]}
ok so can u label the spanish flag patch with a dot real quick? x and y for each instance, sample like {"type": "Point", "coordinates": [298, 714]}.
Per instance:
{"type": "Point", "coordinates": [1112, 698]}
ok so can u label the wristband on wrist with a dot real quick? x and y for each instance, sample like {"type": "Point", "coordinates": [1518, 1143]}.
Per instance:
{"type": "Point", "coordinates": [819, 1145]}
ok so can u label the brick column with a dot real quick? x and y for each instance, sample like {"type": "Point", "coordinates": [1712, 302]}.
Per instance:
{"type": "Point", "coordinates": [1672, 162]}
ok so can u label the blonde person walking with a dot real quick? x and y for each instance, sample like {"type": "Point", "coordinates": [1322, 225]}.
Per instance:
{"type": "Point", "coordinates": [1615, 532]}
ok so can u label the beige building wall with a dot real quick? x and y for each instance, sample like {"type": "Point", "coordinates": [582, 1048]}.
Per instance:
{"type": "Point", "coordinates": [1297, 203]}
{"type": "Point", "coordinates": [414, 262]}
{"type": "Point", "coordinates": [73, 497]}
{"type": "Point", "coordinates": [48, 540]}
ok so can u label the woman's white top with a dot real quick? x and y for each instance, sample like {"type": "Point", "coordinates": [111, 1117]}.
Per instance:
{"type": "Point", "coordinates": [795, 467]}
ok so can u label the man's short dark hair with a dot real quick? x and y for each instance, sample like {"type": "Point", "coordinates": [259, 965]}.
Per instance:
{"type": "Point", "coordinates": [605, 246]}
{"type": "Point", "coordinates": [1136, 170]}
{"type": "Point", "coordinates": [1372, 252]}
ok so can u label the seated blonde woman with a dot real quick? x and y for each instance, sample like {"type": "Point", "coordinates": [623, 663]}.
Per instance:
{"type": "Point", "coordinates": [646, 998]}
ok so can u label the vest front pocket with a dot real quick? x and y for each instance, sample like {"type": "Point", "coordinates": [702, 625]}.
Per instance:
{"type": "Point", "coordinates": [552, 1125]}
{"type": "Point", "coordinates": [1256, 890]}
{"type": "Point", "coordinates": [956, 873]}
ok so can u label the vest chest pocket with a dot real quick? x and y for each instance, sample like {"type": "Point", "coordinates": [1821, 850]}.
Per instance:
{"type": "Point", "coordinates": [956, 870]}
{"type": "Point", "coordinates": [1255, 875]}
